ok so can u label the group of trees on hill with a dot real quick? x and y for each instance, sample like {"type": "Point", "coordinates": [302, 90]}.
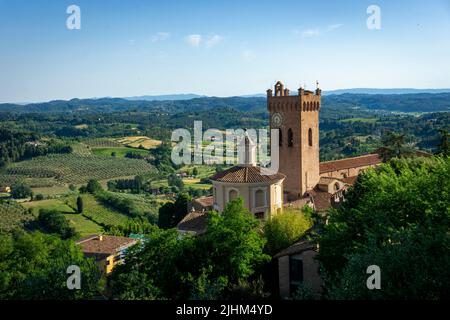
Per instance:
{"type": "Point", "coordinates": [396, 217]}
{"type": "Point", "coordinates": [17, 145]}
{"type": "Point", "coordinates": [222, 263]}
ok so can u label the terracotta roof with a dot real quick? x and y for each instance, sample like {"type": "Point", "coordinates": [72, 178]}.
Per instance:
{"type": "Point", "coordinates": [349, 180]}
{"type": "Point", "coordinates": [367, 160]}
{"type": "Point", "coordinates": [327, 180]}
{"type": "Point", "coordinates": [321, 199]}
{"type": "Point", "coordinates": [245, 174]}
{"type": "Point", "coordinates": [296, 248]}
{"type": "Point", "coordinates": [299, 203]}
{"type": "Point", "coordinates": [107, 246]}
{"type": "Point", "coordinates": [205, 201]}
{"type": "Point", "coordinates": [194, 221]}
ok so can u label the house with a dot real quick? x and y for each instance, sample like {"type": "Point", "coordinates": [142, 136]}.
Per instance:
{"type": "Point", "coordinates": [297, 267]}
{"type": "Point", "coordinates": [5, 189]}
{"type": "Point", "coordinates": [108, 251]}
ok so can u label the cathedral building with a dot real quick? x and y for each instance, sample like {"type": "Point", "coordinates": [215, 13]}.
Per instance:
{"type": "Point", "coordinates": [301, 179]}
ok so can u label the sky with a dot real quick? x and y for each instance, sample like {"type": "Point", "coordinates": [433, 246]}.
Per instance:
{"type": "Point", "coordinates": [218, 47]}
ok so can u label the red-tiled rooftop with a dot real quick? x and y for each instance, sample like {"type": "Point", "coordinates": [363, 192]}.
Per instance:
{"type": "Point", "coordinates": [362, 161]}
{"type": "Point", "coordinates": [107, 244]}
{"type": "Point", "coordinates": [194, 221]}
{"type": "Point", "coordinates": [205, 201]}
{"type": "Point", "coordinates": [321, 199]}
{"type": "Point", "coordinates": [297, 248]}
{"type": "Point", "coordinates": [245, 174]}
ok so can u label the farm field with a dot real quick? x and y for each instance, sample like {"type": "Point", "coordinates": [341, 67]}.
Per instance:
{"type": "Point", "coordinates": [139, 141]}
{"type": "Point", "coordinates": [74, 168]}
{"type": "Point", "coordinates": [94, 216]}
{"type": "Point", "coordinates": [12, 216]}
{"type": "Point", "coordinates": [120, 152]}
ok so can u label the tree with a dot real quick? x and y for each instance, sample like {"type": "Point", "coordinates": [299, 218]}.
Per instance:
{"type": "Point", "coordinates": [444, 145]}
{"type": "Point", "coordinates": [52, 221]}
{"type": "Point", "coordinates": [21, 191]}
{"type": "Point", "coordinates": [175, 181]}
{"type": "Point", "coordinates": [284, 229]}
{"type": "Point", "coordinates": [394, 146]}
{"type": "Point", "coordinates": [394, 217]}
{"type": "Point", "coordinates": [232, 243]}
{"type": "Point", "coordinates": [33, 266]}
{"type": "Point", "coordinates": [215, 265]}
{"type": "Point", "coordinates": [195, 171]}
{"type": "Point", "coordinates": [79, 204]}
{"type": "Point", "coordinates": [93, 186]}
{"type": "Point", "coordinates": [171, 213]}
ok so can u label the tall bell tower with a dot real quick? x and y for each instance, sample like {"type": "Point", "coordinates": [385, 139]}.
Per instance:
{"type": "Point", "coordinates": [297, 119]}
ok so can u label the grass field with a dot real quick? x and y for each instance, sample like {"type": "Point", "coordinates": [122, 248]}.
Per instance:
{"type": "Point", "coordinates": [137, 141]}
{"type": "Point", "coordinates": [94, 216]}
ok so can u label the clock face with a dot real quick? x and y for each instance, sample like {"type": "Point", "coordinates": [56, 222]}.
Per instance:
{"type": "Point", "coordinates": [277, 120]}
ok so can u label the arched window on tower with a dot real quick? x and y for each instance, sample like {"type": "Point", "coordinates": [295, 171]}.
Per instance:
{"type": "Point", "coordinates": [310, 137]}
{"type": "Point", "coordinates": [280, 137]}
{"type": "Point", "coordinates": [290, 138]}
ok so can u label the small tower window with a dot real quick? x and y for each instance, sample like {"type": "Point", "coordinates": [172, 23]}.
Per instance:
{"type": "Point", "coordinates": [310, 137]}
{"type": "Point", "coordinates": [280, 137]}
{"type": "Point", "coordinates": [290, 138]}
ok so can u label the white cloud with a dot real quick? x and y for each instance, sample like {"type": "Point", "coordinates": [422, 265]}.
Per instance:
{"type": "Point", "coordinates": [334, 27]}
{"type": "Point", "coordinates": [213, 40]}
{"type": "Point", "coordinates": [194, 39]}
{"type": "Point", "coordinates": [160, 36]}
{"type": "Point", "coordinates": [310, 33]}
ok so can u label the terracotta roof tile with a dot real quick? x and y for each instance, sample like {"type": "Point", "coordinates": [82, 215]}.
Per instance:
{"type": "Point", "coordinates": [108, 244]}
{"type": "Point", "coordinates": [321, 199]}
{"type": "Point", "coordinates": [367, 160]}
{"type": "Point", "coordinates": [205, 201]}
{"type": "Point", "coordinates": [194, 221]}
{"type": "Point", "coordinates": [245, 174]}
{"type": "Point", "coordinates": [296, 248]}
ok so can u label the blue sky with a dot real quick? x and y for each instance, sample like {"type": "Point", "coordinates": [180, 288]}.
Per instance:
{"type": "Point", "coordinates": [218, 47]}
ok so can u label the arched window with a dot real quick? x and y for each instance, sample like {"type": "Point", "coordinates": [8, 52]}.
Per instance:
{"type": "Point", "coordinates": [280, 137]}
{"type": "Point", "coordinates": [259, 198]}
{"type": "Point", "coordinates": [232, 195]}
{"type": "Point", "coordinates": [336, 186]}
{"type": "Point", "coordinates": [290, 138]}
{"type": "Point", "coordinates": [310, 137]}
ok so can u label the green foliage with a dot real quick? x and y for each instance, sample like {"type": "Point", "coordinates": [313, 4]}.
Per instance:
{"type": "Point", "coordinates": [210, 266]}
{"type": "Point", "coordinates": [174, 180]}
{"type": "Point", "coordinates": [394, 146]}
{"type": "Point", "coordinates": [13, 216]}
{"type": "Point", "coordinates": [93, 186]}
{"type": "Point", "coordinates": [33, 267]}
{"type": "Point", "coordinates": [444, 145]}
{"type": "Point", "coordinates": [53, 221]}
{"type": "Point", "coordinates": [21, 191]}
{"type": "Point", "coordinates": [171, 213]}
{"type": "Point", "coordinates": [233, 243]}
{"type": "Point", "coordinates": [396, 217]}
{"type": "Point", "coordinates": [79, 204]}
{"type": "Point", "coordinates": [282, 230]}
{"type": "Point", "coordinates": [136, 226]}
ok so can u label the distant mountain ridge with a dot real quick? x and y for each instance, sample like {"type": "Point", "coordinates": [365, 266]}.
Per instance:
{"type": "Point", "coordinates": [384, 91]}
{"type": "Point", "coordinates": [166, 97]}
{"type": "Point", "coordinates": [410, 102]}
